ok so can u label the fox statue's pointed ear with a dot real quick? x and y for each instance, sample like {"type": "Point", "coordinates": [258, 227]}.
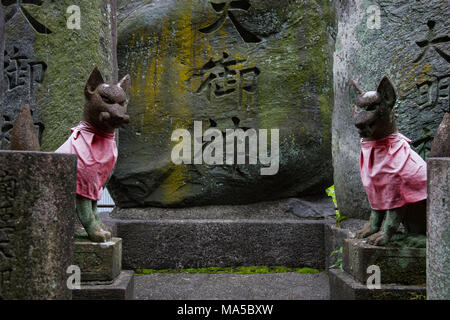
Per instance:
{"type": "Point", "coordinates": [357, 87]}
{"type": "Point", "coordinates": [95, 79]}
{"type": "Point", "coordinates": [387, 92]}
{"type": "Point", "coordinates": [125, 83]}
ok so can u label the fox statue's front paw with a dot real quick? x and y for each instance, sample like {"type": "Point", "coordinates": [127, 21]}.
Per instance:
{"type": "Point", "coordinates": [378, 239]}
{"type": "Point", "coordinates": [99, 234]}
{"type": "Point", "coordinates": [366, 231]}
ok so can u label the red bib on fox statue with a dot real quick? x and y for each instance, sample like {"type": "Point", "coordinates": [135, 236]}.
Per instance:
{"type": "Point", "coordinates": [392, 174]}
{"type": "Point", "coordinates": [97, 154]}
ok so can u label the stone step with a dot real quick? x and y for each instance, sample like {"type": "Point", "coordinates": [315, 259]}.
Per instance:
{"type": "Point", "coordinates": [271, 286]}
{"type": "Point", "coordinates": [344, 287]}
{"type": "Point", "coordinates": [222, 236]}
{"type": "Point", "coordinates": [122, 288]}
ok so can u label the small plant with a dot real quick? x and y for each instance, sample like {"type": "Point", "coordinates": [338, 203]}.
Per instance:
{"type": "Point", "coordinates": [330, 192]}
{"type": "Point", "coordinates": [338, 263]}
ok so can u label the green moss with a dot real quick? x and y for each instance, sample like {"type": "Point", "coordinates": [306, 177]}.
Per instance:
{"type": "Point", "coordinates": [307, 270]}
{"type": "Point", "coordinates": [236, 270]}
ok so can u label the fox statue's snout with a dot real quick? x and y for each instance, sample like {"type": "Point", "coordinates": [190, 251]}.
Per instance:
{"type": "Point", "coordinates": [106, 104]}
{"type": "Point", "coordinates": [372, 111]}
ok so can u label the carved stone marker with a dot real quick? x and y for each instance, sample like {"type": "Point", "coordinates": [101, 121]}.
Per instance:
{"type": "Point", "coordinates": [230, 64]}
{"type": "Point", "coordinates": [45, 63]}
{"type": "Point", "coordinates": [411, 46]}
{"type": "Point", "coordinates": [438, 244]}
{"type": "Point", "coordinates": [37, 214]}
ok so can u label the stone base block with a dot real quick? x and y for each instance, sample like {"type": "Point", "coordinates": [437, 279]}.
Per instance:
{"type": "Point", "coordinates": [121, 289]}
{"type": "Point", "coordinates": [98, 261]}
{"type": "Point", "coordinates": [218, 236]}
{"type": "Point", "coordinates": [345, 287]}
{"type": "Point", "coordinates": [405, 266]}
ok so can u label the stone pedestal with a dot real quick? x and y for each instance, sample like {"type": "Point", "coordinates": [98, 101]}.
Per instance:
{"type": "Point", "coordinates": [438, 224]}
{"type": "Point", "coordinates": [402, 273]}
{"type": "Point", "coordinates": [397, 265]}
{"type": "Point", "coordinates": [98, 261]}
{"type": "Point", "coordinates": [37, 212]}
{"type": "Point", "coordinates": [122, 288]}
{"type": "Point", "coordinates": [101, 275]}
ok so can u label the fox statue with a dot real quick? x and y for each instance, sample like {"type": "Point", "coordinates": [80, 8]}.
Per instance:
{"type": "Point", "coordinates": [393, 175]}
{"type": "Point", "coordinates": [92, 140]}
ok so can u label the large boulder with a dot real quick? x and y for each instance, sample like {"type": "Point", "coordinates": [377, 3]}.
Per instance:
{"type": "Point", "coordinates": [411, 46]}
{"type": "Point", "coordinates": [46, 63]}
{"type": "Point", "coordinates": [229, 64]}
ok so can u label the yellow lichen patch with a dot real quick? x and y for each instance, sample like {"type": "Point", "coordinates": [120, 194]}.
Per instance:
{"type": "Point", "coordinates": [175, 187]}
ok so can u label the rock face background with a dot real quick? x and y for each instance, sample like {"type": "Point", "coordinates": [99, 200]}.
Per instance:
{"type": "Point", "coordinates": [46, 64]}
{"type": "Point", "coordinates": [230, 64]}
{"type": "Point", "coordinates": [412, 49]}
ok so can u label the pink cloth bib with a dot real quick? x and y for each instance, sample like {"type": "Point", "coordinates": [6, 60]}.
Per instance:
{"type": "Point", "coordinates": [392, 174]}
{"type": "Point", "coordinates": [97, 154]}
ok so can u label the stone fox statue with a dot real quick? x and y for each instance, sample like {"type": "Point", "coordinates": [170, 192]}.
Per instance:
{"type": "Point", "coordinates": [393, 175]}
{"type": "Point", "coordinates": [92, 140]}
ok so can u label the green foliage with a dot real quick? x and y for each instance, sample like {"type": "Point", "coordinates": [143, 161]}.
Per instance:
{"type": "Point", "coordinates": [237, 270]}
{"type": "Point", "coordinates": [330, 192]}
{"type": "Point", "coordinates": [338, 263]}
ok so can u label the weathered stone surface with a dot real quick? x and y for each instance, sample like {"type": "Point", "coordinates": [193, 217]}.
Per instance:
{"type": "Point", "coordinates": [308, 209]}
{"type": "Point", "coordinates": [241, 64]}
{"type": "Point", "coordinates": [98, 261]}
{"type": "Point", "coordinates": [257, 234]}
{"type": "Point", "coordinates": [121, 289]}
{"type": "Point", "coordinates": [397, 265]}
{"type": "Point", "coordinates": [46, 64]}
{"type": "Point", "coordinates": [344, 287]}
{"type": "Point", "coordinates": [37, 213]}
{"type": "Point", "coordinates": [438, 229]}
{"type": "Point", "coordinates": [441, 145]}
{"type": "Point", "coordinates": [411, 48]}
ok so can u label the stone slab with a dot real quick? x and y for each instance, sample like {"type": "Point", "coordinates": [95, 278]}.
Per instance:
{"type": "Point", "coordinates": [37, 214]}
{"type": "Point", "coordinates": [200, 286]}
{"type": "Point", "coordinates": [121, 289]}
{"type": "Point", "coordinates": [438, 225]}
{"type": "Point", "coordinates": [345, 287]}
{"type": "Point", "coordinates": [98, 261]}
{"type": "Point", "coordinates": [335, 236]}
{"type": "Point", "coordinates": [257, 234]}
{"type": "Point", "coordinates": [397, 265]}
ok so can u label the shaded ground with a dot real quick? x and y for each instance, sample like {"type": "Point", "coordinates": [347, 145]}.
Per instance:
{"type": "Point", "coordinates": [272, 286]}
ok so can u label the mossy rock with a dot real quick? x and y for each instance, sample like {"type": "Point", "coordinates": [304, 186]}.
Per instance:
{"type": "Point", "coordinates": [267, 65]}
